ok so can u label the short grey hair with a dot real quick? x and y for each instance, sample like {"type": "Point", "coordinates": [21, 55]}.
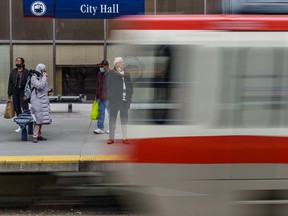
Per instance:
{"type": "Point", "coordinates": [117, 60]}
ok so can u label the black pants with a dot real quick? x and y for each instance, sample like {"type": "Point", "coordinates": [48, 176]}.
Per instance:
{"type": "Point", "coordinates": [19, 104]}
{"type": "Point", "coordinates": [123, 108]}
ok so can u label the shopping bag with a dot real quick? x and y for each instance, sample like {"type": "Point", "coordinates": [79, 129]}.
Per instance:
{"type": "Point", "coordinates": [9, 110]}
{"type": "Point", "coordinates": [94, 111]}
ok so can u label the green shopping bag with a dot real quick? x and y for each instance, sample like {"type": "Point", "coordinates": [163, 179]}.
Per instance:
{"type": "Point", "coordinates": [94, 111]}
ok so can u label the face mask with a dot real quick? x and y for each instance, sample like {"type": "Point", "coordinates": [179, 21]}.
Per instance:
{"type": "Point", "coordinates": [18, 65]}
{"type": "Point", "coordinates": [120, 69]}
{"type": "Point", "coordinates": [101, 69]}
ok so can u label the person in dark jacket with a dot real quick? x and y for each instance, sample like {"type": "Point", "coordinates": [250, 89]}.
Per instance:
{"type": "Point", "coordinates": [16, 84]}
{"type": "Point", "coordinates": [100, 96]}
{"type": "Point", "coordinates": [119, 90]}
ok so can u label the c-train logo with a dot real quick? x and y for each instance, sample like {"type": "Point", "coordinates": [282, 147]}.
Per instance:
{"type": "Point", "coordinates": [38, 8]}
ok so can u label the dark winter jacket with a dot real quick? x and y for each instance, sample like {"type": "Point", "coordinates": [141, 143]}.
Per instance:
{"type": "Point", "coordinates": [13, 80]}
{"type": "Point", "coordinates": [114, 88]}
{"type": "Point", "coordinates": [100, 93]}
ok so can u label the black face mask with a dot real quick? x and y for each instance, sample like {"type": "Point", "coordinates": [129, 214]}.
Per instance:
{"type": "Point", "coordinates": [18, 65]}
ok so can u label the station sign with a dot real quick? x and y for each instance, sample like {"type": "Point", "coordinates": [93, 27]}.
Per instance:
{"type": "Point", "coordinates": [82, 9]}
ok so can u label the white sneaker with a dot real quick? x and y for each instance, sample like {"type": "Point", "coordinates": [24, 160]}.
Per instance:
{"type": "Point", "coordinates": [99, 131]}
{"type": "Point", "coordinates": [18, 130]}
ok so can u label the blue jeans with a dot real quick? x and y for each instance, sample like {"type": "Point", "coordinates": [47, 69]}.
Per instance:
{"type": "Point", "coordinates": [102, 105]}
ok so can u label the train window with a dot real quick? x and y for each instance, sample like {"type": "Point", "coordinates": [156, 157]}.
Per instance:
{"type": "Point", "coordinates": [255, 77]}
{"type": "Point", "coordinates": [259, 7]}
{"type": "Point", "coordinates": [241, 86]}
{"type": "Point", "coordinates": [158, 79]}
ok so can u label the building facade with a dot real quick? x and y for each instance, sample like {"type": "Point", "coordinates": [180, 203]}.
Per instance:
{"type": "Point", "coordinates": [71, 48]}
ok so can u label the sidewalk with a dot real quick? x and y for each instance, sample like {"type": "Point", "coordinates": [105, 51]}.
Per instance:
{"type": "Point", "coordinates": [71, 144]}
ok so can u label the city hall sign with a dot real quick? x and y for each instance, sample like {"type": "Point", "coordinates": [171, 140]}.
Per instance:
{"type": "Point", "coordinates": [104, 8]}
{"type": "Point", "coordinates": [82, 9]}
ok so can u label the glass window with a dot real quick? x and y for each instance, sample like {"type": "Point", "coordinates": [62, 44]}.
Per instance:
{"type": "Point", "coordinates": [5, 70]}
{"type": "Point", "coordinates": [254, 86]}
{"type": "Point", "coordinates": [86, 29]}
{"type": "Point", "coordinates": [4, 17]}
{"type": "Point", "coordinates": [214, 7]}
{"type": "Point", "coordinates": [28, 28]}
{"type": "Point", "coordinates": [78, 80]}
{"type": "Point", "coordinates": [86, 54]}
{"type": "Point", "coordinates": [180, 7]}
{"type": "Point", "coordinates": [35, 54]}
{"type": "Point", "coordinates": [149, 7]}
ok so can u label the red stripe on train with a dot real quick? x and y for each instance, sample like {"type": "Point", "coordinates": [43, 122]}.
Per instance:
{"type": "Point", "coordinates": [212, 150]}
{"type": "Point", "coordinates": [203, 22]}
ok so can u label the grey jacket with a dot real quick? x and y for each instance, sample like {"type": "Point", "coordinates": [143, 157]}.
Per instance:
{"type": "Point", "coordinates": [40, 106]}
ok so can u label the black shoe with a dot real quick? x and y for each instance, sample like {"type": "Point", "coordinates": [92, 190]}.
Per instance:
{"type": "Point", "coordinates": [40, 138]}
{"type": "Point", "coordinates": [34, 140]}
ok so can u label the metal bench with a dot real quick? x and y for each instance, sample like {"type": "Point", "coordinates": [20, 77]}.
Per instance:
{"type": "Point", "coordinates": [25, 120]}
{"type": "Point", "coordinates": [66, 99]}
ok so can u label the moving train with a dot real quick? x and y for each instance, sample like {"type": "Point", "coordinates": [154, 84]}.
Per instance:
{"type": "Point", "coordinates": [217, 88]}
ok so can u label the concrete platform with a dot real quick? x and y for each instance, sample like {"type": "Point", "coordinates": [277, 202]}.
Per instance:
{"type": "Point", "coordinates": [71, 145]}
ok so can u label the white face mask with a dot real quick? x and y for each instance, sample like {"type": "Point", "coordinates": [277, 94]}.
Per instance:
{"type": "Point", "coordinates": [120, 69]}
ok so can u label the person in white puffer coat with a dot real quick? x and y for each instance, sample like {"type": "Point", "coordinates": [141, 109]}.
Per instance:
{"type": "Point", "coordinates": [40, 106]}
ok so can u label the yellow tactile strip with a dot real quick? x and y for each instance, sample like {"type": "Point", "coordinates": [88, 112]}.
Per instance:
{"type": "Point", "coordinates": [62, 159]}
{"type": "Point", "coordinates": [104, 158]}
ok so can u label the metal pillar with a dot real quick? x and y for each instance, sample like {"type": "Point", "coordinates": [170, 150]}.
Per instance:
{"type": "Point", "coordinates": [10, 35]}
{"type": "Point", "coordinates": [105, 38]}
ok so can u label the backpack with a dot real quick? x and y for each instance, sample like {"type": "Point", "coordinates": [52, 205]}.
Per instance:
{"type": "Point", "coordinates": [28, 90]}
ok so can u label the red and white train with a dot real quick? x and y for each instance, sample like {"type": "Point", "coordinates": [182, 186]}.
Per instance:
{"type": "Point", "coordinates": [218, 84]}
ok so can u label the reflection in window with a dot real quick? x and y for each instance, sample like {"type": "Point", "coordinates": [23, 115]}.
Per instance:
{"type": "Point", "coordinates": [79, 80]}
{"type": "Point", "coordinates": [162, 80]}
{"type": "Point", "coordinates": [255, 86]}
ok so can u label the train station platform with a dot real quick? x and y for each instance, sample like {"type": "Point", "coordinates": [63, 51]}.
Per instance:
{"type": "Point", "coordinates": [71, 144]}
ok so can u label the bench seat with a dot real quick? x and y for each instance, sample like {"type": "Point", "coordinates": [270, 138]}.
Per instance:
{"type": "Point", "coordinates": [66, 99]}
{"type": "Point", "coordinates": [25, 120]}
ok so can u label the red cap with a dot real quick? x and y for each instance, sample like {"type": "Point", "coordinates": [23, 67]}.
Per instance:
{"type": "Point", "coordinates": [103, 63]}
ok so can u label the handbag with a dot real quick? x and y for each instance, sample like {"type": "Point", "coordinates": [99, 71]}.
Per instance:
{"type": "Point", "coordinates": [9, 110]}
{"type": "Point", "coordinates": [94, 110]}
